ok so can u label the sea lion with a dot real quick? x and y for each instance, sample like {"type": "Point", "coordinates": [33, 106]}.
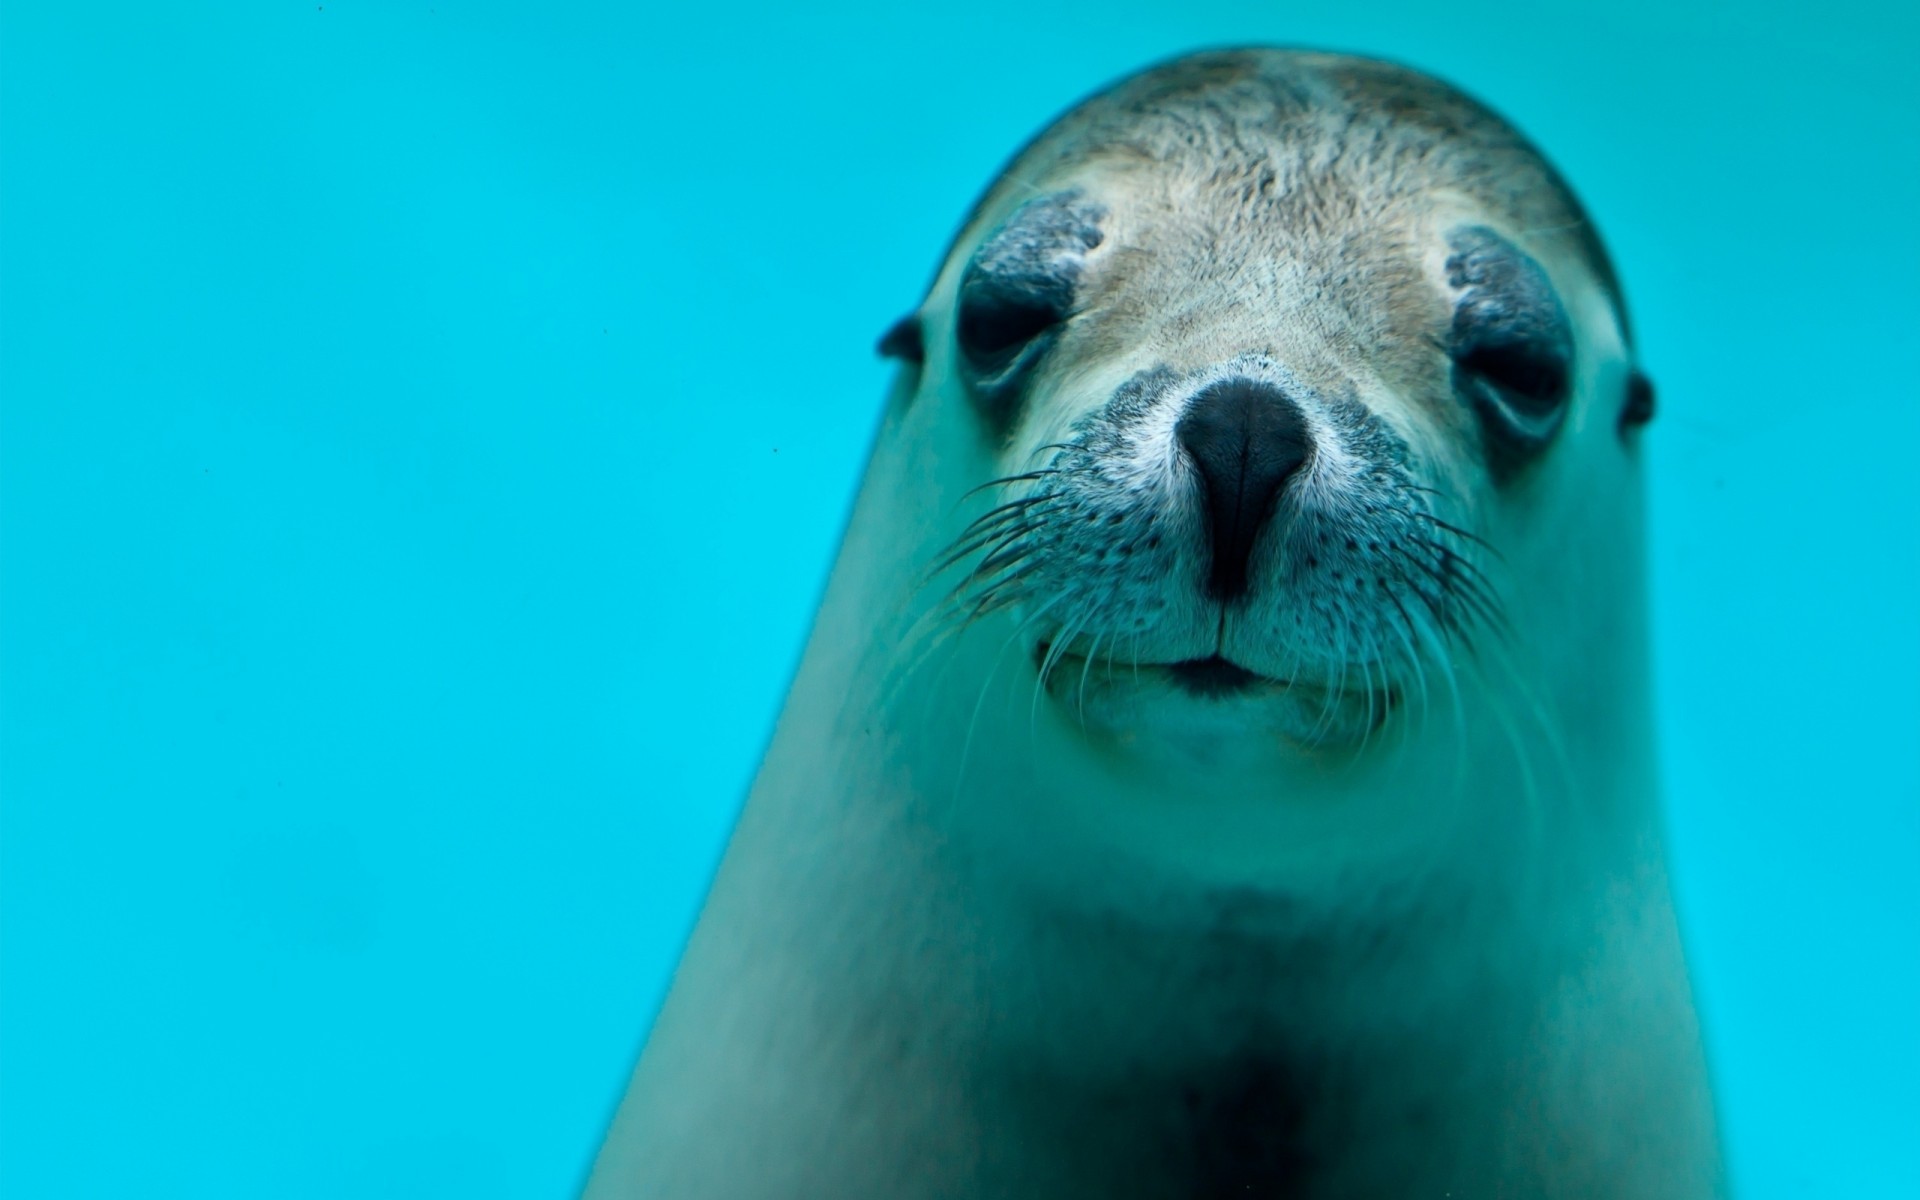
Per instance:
{"type": "Point", "coordinates": [1222, 763]}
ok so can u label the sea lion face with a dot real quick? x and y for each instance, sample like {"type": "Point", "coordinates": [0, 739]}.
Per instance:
{"type": "Point", "coordinates": [1264, 376]}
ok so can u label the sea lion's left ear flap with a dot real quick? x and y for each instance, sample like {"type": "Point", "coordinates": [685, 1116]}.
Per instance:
{"type": "Point", "coordinates": [904, 341]}
{"type": "Point", "coordinates": [1637, 410]}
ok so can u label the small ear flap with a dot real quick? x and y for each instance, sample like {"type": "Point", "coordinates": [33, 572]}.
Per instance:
{"type": "Point", "coordinates": [904, 341]}
{"type": "Point", "coordinates": [1638, 410]}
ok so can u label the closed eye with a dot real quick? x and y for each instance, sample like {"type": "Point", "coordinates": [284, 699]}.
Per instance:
{"type": "Point", "coordinates": [996, 323]}
{"type": "Point", "coordinates": [1512, 347]}
{"type": "Point", "coordinates": [1531, 378]}
{"type": "Point", "coordinates": [1019, 288]}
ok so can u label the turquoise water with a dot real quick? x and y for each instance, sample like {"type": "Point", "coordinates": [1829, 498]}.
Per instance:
{"type": "Point", "coordinates": [406, 407]}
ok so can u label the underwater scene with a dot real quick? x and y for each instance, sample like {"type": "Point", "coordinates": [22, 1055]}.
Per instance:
{"type": "Point", "coordinates": [1337, 623]}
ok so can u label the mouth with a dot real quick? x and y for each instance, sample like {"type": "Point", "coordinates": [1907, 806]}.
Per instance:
{"type": "Point", "coordinates": [1215, 677]}
{"type": "Point", "coordinates": [1209, 691]}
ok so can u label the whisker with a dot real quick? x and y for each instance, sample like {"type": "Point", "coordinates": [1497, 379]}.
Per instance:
{"type": "Point", "coordinates": [1420, 515]}
{"type": "Point", "coordinates": [1004, 480]}
{"type": "Point", "coordinates": [986, 545]}
{"type": "Point", "coordinates": [994, 539]}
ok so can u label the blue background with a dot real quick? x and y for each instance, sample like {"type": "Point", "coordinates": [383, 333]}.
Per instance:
{"type": "Point", "coordinates": [427, 425]}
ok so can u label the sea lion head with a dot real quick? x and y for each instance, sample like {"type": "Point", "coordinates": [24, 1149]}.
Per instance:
{"type": "Point", "coordinates": [1267, 356]}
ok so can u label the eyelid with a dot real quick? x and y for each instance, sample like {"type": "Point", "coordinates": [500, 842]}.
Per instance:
{"type": "Point", "coordinates": [1535, 373]}
{"type": "Point", "coordinates": [1512, 347]}
{"type": "Point", "coordinates": [1015, 310]}
{"type": "Point", "coordinates": [1019, 289]}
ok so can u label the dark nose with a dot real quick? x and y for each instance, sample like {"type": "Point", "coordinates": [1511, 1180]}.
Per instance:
{"type": "Point", "coordinates": [1246, 439]}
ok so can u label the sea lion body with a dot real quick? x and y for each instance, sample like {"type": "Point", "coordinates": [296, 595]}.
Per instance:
{"type": "Point", "coordinates": [1263, 800]}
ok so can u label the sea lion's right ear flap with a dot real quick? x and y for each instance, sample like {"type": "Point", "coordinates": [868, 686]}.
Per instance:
{"type": "Point", "coordinates": [905, 341]}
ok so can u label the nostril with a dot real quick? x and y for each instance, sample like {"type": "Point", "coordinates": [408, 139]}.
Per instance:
{"type": "Point", "coordinates": [1246, 438]}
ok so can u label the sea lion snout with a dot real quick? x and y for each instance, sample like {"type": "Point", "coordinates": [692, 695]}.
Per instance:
{"type": "Point", "coordinates": [1246, 438]}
